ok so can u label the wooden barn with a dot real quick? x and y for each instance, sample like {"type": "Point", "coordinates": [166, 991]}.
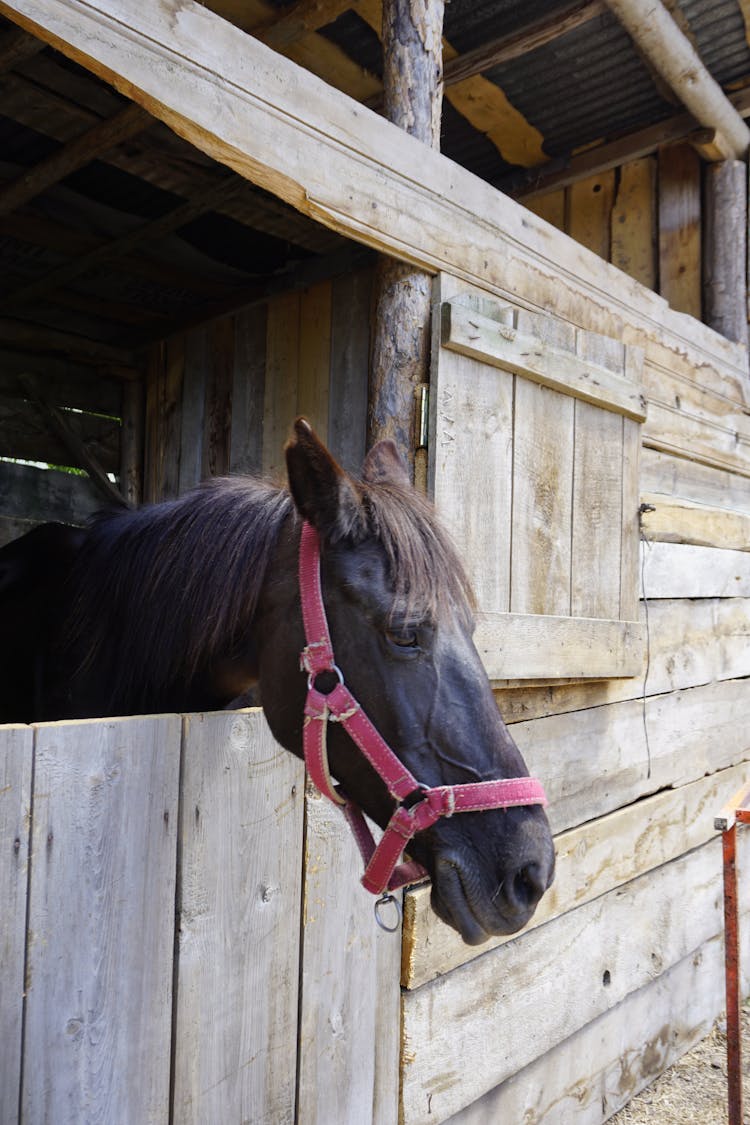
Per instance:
{"type": "Point", "coordinates": [214, 217]}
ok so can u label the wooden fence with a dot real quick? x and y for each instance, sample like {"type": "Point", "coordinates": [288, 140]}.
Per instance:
{"type": "Point", "coordinates": [183, 936]}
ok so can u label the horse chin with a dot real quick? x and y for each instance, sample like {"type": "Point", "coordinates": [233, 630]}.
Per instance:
{"type": "Point", "coordinates": [457, 901]}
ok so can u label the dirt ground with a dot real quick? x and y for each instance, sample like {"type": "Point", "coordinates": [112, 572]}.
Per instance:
{"type": "Point", "coordinates": [694, 1090]}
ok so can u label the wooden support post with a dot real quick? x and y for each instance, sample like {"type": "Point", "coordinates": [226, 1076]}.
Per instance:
{"type": "Point", "coordinates": [412, 89]}
{"type": "Point", "coordinates": [725, 249]}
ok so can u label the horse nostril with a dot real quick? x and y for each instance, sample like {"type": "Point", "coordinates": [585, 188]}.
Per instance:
{"type": "Point", "coordinates": [529, 884]}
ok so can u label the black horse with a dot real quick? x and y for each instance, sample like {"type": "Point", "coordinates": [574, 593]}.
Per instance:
{"type": "Point", "coordinates": [185, 605]}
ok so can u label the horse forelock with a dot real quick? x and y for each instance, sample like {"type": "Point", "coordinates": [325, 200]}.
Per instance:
{"type": "Point", "coordinates": [425, 570]}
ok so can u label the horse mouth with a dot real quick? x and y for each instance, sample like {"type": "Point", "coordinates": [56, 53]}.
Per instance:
{"type": "Point", "coordinates": [457, 900]}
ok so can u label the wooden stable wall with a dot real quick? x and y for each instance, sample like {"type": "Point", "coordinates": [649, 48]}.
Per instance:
{"type": "Point", "coordinates": [621, 970]}
{"type": "Point", "coordinates": [182, 937]}
{"type": "Point", "coordinates": [222, 397]}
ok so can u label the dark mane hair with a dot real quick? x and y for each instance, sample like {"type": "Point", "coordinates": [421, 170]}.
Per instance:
{"type": "Point", "coordinates": [196, 566]}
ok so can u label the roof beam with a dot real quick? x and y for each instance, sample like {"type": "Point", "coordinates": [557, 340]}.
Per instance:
{"type": "Point", "coordinates": [74, 155]}
{"type": "Point", "coordinates": [673, 56]}
{"type": "Point", "coordinates": [519, 43]}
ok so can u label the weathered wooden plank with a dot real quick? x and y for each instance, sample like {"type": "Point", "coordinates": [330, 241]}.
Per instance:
{"type": "Point", "coordinates": [349, 1015]}
{"type": "Point", "coordinates": [473, 453]}
{"type": "Point", "coordinates": [543, 444]}
{"type": "Point", "coordinates": [315, 356]}
{"type": "Point", "coordinates": [45, 494]}
{"type": "Point", "coordinates": [217, 419]}
{"type": "Point", "coordinates": [171, 386]}
{"type": "Point", "coordinates": [237, 977]}
{"type": "Point", "coordinates": [592, 859]}
{"type": "Point", "coordinates": [350, 356]}
{"type": "Point", "coordinates": [550, 207]}
{"type": "Point", "coordinates": [597, 513]}
{"type": "Point", "coordinates": [705, 484]}
{"type": "Point", "coordinates": [622, 1051]}
{"type": "Point", "coordinates": [25, 434]}
{"type": "Point", "coordinates": [192, 425]}
{"type": "Point", "coordinates": [452, 1051]}
{"type": "Point", "coordinates": [472, 334]}
{"type": "Point", "coordinates": [676, 429]}
{"type": "Point", "coordinates": [689, 643]}
{"type": "Point", "coordinates": [132, 442]}
{"type": "Point", "coordinates": [680, 228]}
{"type": "Point", "coordinates": [282, 380]}
{"type": "Point", "coordinates": [246, 442]}
{"type": "Point", "coordinates": [16, 749]}
{"type": "Point", "coordinates": [674, 520]}
{"type": "Point", "coordinates": [589, 212]}
{"type": "Point", "coordinates": [642, 746]}
{"type": "Point", "coordinates": [634, 221]}
{"type": "Point", "coordinates": [680, 570]}
{"type": "Point", "coordinates": [630, 571]}
{"type": "Point", "coordinates": [101, 921]}
{"type": "Point", "coordinates": [527, 646]}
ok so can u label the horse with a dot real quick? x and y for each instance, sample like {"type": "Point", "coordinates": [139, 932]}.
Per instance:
{"type": "Point", "coordinates": [188, 604]}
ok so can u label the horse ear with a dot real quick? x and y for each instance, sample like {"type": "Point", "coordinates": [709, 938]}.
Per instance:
{"type": "Point", "coordinates": [323, 493]}
{"type": "Point", "coordinates": [384, 464]}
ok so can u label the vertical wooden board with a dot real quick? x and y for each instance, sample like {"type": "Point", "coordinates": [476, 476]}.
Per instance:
{"type": "Point", "coordinates": [634, 221]}
{"type": "Point", "coordinates": [542, 498]}
{"type": "Point", "coordinates": [131, 441]}
{"type": "Point", "coordinates": [597, 509]}
{"type": "Point", "coordinates": [550, 207]}
{"type": "Point", "coordinates": [248, 385]}
{"type": "Point", "coordinates": [473, 457]}
{"type": "Point", "coordinates": [170, 424]}
{"type": "Point", "coordinates": [315, 356]}
{"type": "Point", "coordinates": [282, 376]}
{"type": "Point", "coordinates": [630, 578]}
{"type": "Point", "coordinates": [349, 1014]}
{"type": "Point", "coordinates": [218, 405]}
{"type": "Point", "coordinates": [350, 361]}
{"type": "Point", "coordinates": [101, 921]}
{"type": "Point", "coordinates": [16, 748]}
{"type": "Point", "coordinates": [152, 434]}
{"type": "Point", "coordinates": [237, 976]}
{"type": "Point", "coordinates": [680, 228]}
{"type": "Point", "coordinates": [589, 212]}
{"type": "Point", "coordinates": [193, 407]}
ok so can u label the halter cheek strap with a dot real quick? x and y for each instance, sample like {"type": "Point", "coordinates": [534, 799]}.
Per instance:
{"type": "Point", "coordinates": [418, 806]}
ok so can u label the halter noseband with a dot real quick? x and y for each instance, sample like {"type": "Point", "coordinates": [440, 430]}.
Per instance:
{"type": "Point", "coordinates": [418, 806]}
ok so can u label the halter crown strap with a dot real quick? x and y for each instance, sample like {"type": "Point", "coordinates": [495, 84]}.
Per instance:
{"type": "Point", "coordinates": [382, 870]}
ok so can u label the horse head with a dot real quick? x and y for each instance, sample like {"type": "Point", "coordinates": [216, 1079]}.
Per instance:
{"type": "Point", "coordinates": [399, 612]}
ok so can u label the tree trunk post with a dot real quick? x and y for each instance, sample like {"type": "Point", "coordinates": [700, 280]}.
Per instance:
{"type": "Point", "coordinates": [412, 92]}
{"type": "Point", "coordinates": [725, 249]}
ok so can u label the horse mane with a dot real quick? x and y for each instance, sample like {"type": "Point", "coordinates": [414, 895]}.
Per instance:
{"type": "Point", "coordinates": [191, 568]}
{"type": "Point", "coordinates": [159, 592]}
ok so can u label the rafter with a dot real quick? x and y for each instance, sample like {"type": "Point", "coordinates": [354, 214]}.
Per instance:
{"type": "Point", "coordinates": [74, 155]}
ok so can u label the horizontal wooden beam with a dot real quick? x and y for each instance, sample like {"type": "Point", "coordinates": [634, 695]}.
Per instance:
{"type": "Point", "coordinates": [74, 155]}
{"type": "Point", "coordinates": [527, 646]}
{"type": "Point", "coordinates": [518, 43]}
{"type": "Point", "coordinates": [656, 33]}
{"type": "Point", "coordinates": [500, 345]}
{"type": "Point", "coordinates": [16, 46]}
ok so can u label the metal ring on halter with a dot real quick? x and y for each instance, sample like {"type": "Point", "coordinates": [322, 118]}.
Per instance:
{"type": "Point", "coordinates": [383, 901]}
{"type": "Point", "coordinates": [313, 676]}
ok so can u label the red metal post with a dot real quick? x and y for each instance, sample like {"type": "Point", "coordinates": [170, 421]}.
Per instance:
{"type": "Point", "coordinates": [732, 976]}
{"type": "Point", "coordinates": [736, 811]}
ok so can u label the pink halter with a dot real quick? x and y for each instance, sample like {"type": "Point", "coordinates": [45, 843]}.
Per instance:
{"type": "Point", "coordinates": [418, 806]}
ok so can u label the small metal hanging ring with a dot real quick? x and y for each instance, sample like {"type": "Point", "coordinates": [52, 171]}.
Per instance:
{"type": "Point", "coordinates": [385, 900]}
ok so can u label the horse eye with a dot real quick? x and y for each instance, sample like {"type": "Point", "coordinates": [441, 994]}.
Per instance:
{"type": "Point", "coordinates": [402, 638]}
